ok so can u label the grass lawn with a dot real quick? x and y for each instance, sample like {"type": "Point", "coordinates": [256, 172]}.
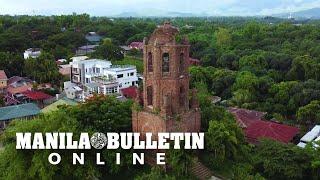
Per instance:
{"type": "Point", "coordinates": [131, 61]}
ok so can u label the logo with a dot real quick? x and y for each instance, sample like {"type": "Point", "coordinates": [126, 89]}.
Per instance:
{"type": "Point", "coordinates": [110, 141]}
{"type": "Point", "coordinates": [98, 140]}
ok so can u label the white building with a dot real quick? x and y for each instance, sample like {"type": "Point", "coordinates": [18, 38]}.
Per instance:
{"type": "Point", "coordinates": [79, 58]}
{"type": "Point", "coordinates": [83, 71]}
{"type": "Point", "coordinates": [99, 76]}
{"type": "Point", "coordinates": [125, 75]}
{"type": "Point", "coordinates": [311, 136]}
{"type": "Point", "coordinates": [32, 53]}
{"type": "Point", "coordinates": [103, 85]}
{"type": "Point", "coordinates": [73, 91]}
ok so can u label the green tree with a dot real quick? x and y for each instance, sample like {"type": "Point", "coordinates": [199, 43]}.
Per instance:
{"type": "Point", "coordinates": [223, 38]}
{"type": "Point", "coordinates": [224, 140]}
{"type": "Point", "coordinates": [309, 114]}
{"type": "Point", "coordinates": [254, 63]}
{"type": "Point", "coordinates": [155, 174]}
{"type": "Point", "coordinates": [12, 64]}
{"type": "Point", "coordinates": [281, 161]}
{"type": "Point", "coordinates": [180, 161]}
{"type": "Point", "coordinates": [228, 60]}
{"type": "Point", "coordinates": [32, 164]}
{"type": "Point", "coordinates": [42, 69]}
{"type": "Point", "coordinates": [108, 52]}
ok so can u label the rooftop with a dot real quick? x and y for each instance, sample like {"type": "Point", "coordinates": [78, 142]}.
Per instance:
{"type": "Point", "coordinates": [65, 69]}
{"type": "Point", "coordinates": [93, 37]}
{"type": "Point", "coordinates": [88, 47]}
{"type": "Point", "coordinates": [137, 45]}
{"type": "Point", "coordinates": [54, 106]}
{"type": "Point", "coordinates": [194, 61]}
{"type": "Point", "coordinates": [18, 84]}
{"type": "Point", "coordinates": [79, 58]}
{"type": "Point", "coordinates": [126, 48]}
{"type": "Point", "coordinates": [34, 50]}
{"type": "Point", "coordinates": [3, 75]}
{"type": "Point", "coordinates": [91, 61]}
{"type": "Point", "coordinates": [130, 92]}
{"type": "Point", "coordinates": [255, 127]}
{"type": "Point", "coordinates": [266, 129]}
{"type": "Point", "coordinates": [118, 68]}
{"type": "Point", "coordinates": [36, 95]}
{"type": "Point", "coordinates": [18, 111]}
{"type": "Point", "coordinates": [246, 117]}
{"type": "Point", "coordinates": [311, 135]}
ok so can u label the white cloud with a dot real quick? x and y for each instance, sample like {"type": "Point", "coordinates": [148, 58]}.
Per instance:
{"type": "Point", "coordinates": [112, 7]}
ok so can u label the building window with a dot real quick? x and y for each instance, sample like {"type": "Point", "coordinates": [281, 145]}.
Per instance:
{"type": "Point", "coordinates": [132, 74]}
{"type": "Point", "coordinates": [149, 96]}
{"type": "Point", "coordinates": [150, 62]}
{"type": "Point", "coordinates": [181, 60]}
{"type": "Point", "coordinates": [181, 96]}
{"type": "Point", "coordinates": [120, 76]}
{"type": "Point", "coordinates": [165, 62]}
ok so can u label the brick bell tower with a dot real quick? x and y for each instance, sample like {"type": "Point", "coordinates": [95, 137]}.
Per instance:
{"type": "Point", "coordinates": [167, 106]}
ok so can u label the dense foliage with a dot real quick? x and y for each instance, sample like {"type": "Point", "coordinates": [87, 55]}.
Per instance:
{"type": "Point", "coordinates": [266, 64]}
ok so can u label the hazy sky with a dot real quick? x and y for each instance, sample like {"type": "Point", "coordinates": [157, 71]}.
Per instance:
{"type": "Point", "coordinates": [147, 7]}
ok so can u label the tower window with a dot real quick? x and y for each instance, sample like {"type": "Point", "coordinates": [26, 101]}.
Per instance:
{"type": "Point", "coordinates": [165, 62]}
{"type": "Point", "coordinates": [150, 63]}
{"type": "Point", "coordinates": [181, 64]}
{"type": "Point", "coordinates": [149, 96]}
{"type": "Point", "coordinates": [181, 96]}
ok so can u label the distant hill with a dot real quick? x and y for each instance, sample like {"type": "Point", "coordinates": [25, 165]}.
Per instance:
{"type": "Point", "coordinates": [306, 14]}
{"type": "Point", "coordinates": [159, 13]}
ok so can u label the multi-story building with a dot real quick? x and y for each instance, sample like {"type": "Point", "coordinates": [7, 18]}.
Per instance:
{"type": "Point", "coordinates": [125, 75]}
{"type": "Point", "coordinates": [103, 85]}
{"type": "Point", "coordinates": [3, 82]}
{"type": "Point", "coordinates": [32, 53]}
{"type": "Point", "coordinates": [83, 71]}
{"type": "Point", "coordinates": [99, 76]}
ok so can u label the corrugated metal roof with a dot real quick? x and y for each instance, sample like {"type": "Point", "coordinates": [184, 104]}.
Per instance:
{"type": "Point", "coordinates": [93, 38]}
{"type": "Point", "coordinates": [36, 95]}
{"type": "Point", "coordinates": [54, 106]}
{"type": "Point", "coordinates": [18, 111]}
{"type": "Point", "coordinates": [311, 135]}
{"type": "Point", "coordinates": [265, 129]}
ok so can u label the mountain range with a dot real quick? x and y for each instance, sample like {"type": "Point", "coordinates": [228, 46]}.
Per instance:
{"type": "Point", "coordinates": [159, 13]}
{"type": "Point", "coordinates": [313, 13]}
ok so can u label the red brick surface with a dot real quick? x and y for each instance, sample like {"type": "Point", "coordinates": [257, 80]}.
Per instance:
{"type": "Point", "coordinates": [167, 113]}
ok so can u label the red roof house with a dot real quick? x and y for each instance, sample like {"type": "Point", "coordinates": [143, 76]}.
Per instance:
{"type": "Point", "coordinates": [130, 92]}
{"type": "Point", "coordinates": [3, 75]}
{"type": "Point", "coordinates": [3, 82]}
{"type": "Point", "coordinates": [136, 45]}
{"type": "Point", "coordinates": [255, 127]}
{"type": "Point", "coordinates": [194, 62]}
{"type": "Point", "coordinates": [18, 84]}
{"type": "Point", "coordinates": [246, 117]}
{"type": "Point", "coordinates": [271, 130]}
{"type": "Point", "coordinates": [36, 95]}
